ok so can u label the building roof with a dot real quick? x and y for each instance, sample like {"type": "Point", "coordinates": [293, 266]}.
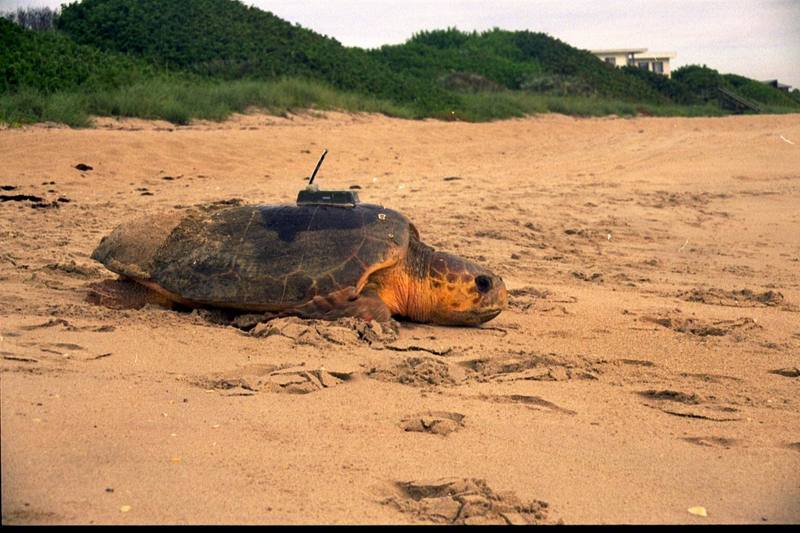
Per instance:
{"type": "Point", "coordinates": [777, 84]}
{"type": "Point", "coordinates": [656, 55]}
{"type": "Point", "coordinates": [639, 53]}
{"type": "Point", "coordinates": [620, 51]}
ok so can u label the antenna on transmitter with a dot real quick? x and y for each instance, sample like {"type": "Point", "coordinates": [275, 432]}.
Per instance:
{"type": "Point", "coordinates": [316, 169]}
{"type": "Point", "coordinates": [311, 195]}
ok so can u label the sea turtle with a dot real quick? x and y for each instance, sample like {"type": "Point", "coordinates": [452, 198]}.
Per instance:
{"type": "Point", "coordinates": [312, 261]}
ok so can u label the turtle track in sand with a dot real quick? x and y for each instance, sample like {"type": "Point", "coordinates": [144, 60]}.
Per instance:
{"type": "Point", "coordinates": [466, 501]}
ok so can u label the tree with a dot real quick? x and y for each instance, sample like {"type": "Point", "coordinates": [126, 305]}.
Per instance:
{"type": "Point", "coordinates": [33, 18]}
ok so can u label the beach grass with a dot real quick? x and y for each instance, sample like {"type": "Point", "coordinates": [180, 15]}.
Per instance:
{"type": "Point", "coordinates": [180, 100]}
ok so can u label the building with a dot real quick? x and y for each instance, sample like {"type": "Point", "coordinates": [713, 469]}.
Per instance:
{"type": "Point", "coordinates": [657, 62]}
{"type": "Point", "coordinates": [775, 84]}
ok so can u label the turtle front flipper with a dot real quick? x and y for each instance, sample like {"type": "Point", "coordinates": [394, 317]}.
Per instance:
{"type": "Point", "coordinates": [345, 302]}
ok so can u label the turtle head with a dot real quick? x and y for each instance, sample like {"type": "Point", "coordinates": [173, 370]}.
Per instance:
{"type": "Point", "coordinates": [440, 288]}
{"type": "Point", "coordinates": [462, 292]}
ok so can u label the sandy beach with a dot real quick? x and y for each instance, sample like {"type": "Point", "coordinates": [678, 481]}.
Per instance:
{"type": "Point", "coordinates": [646, 370]}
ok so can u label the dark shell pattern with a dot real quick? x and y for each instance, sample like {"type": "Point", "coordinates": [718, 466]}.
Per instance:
{"type": "Point", "coordinates": [277, 256]}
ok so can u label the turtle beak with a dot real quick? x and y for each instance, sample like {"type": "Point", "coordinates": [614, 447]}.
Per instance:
{"type": "Point", "coordinates": [495, 302]}
{"type": "Point", "coordinates": [489, 314]}
{"type": "Point", "coordinates": [502, 294]}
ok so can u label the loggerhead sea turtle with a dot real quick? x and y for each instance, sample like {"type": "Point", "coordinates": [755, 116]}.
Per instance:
{"type": "Point", "coordinates": [312, 261]}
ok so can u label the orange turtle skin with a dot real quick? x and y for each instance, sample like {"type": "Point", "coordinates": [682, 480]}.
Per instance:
{"type": "Point", "coordinates": [309, 261]}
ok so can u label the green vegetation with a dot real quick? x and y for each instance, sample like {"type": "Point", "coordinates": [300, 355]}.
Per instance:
{"type": "Point", "coordinates": [179, 101]}
{"type": "Point", "coordinates": [224, 39]}
{"type": "Point", "coordinates": [49, 61]}
{"type": "Point", "coordinates": [761, 92]}
{"type": "Point", "coordinates": [184, 59]}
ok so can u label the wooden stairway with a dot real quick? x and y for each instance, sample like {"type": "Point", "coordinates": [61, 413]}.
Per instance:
{"type": "Point", "coordinates": [736, 103]}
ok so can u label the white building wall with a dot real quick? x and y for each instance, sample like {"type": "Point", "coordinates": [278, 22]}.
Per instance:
{"type": "Point", "coordinates": [621, 58]}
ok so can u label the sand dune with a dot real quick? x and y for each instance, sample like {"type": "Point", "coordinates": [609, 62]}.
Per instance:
{"type": "Point", "coordinates": [647, 363]}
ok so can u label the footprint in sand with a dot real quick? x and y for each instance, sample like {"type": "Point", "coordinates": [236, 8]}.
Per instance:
{"type": "Point", "coordinates": [734, 298]}
{"type": "Point", "coordinates": [418, 344]}
{"type": "Point", "coordinates": [65, 350]}
{"type": "Point", "coordinates": [467, 501]}
{"type": "Point", "coordinates": [11, 356]}
{"type": "Point", "coordinates": [671, 395]}
{"type": "Point", "coordinates": [525, 298]}
{"type": "Point", "coordinates": [27, 515]}
{"type": "Point", "coordinates": [419, 372]}
{"type": "Point", "coordinates": [703, 328]}
{"type": "Point", "coordinates": [346, 331]}
{"type": "Point", "coordinates": [74, 269]}
{"type": "Point", "coordinates": [709, 378]}
{"type": "Point", "coordinates": [434, 422]}
{"type": "Point", "coordinates": [789, 372]}
{"type": "Point", "coordinates": [67, 326]}
{"type": "Point", "coordinates": [700, 408]}
{"type": "Point", "coordinates": [533, 402]}
{"type": "Point", "coordinates": [713, 442]}
{"type": "Point", "coordinates": [251, 379]}
{"type": "Point", "coordinates": [525, 366]}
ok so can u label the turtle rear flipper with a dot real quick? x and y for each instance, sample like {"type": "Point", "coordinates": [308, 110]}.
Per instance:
{"type": "Point", "coordinates": [125, 294]}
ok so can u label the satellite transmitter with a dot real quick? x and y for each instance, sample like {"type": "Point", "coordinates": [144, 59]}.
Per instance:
{"type": "Point", "coordinates": [311, 195]}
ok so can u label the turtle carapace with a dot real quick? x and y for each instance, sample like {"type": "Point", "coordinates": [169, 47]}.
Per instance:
{"type": "Point", "coordinates": [312, 261]}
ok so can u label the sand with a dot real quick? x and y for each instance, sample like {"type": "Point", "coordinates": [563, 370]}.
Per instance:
{"type": "Point", "coordinates": [647, 363]}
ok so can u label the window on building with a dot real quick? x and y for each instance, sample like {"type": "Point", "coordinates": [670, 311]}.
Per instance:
{"type": "Point", "coordinates": [644, 65]}
{"type": "Point", "coordinates": [658, 66]}
{"type": "Point", "coordinates": [611, 60]}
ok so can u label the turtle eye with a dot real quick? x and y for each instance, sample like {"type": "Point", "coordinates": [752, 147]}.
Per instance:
{"type": "Point", "coordinates": [483, 283]}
